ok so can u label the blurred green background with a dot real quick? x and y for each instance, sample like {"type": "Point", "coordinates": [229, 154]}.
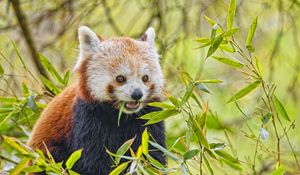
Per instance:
{"type": "Point", "coordinates": [178, 24]}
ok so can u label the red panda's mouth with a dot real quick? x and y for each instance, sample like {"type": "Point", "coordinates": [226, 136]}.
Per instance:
{"type": "Point", "coordinates": [132, 105]}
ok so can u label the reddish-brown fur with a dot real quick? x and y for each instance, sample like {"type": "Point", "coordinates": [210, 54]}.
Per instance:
{"type": "Point", "coordinates": [55, 121]}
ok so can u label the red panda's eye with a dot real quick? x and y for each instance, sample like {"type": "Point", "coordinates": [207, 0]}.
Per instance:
{"type": "Point", "coordinates": [120, 79]}
{"type": "Point", "coordinates": [145, 78]}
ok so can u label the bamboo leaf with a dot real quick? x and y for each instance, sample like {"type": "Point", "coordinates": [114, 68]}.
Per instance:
{"type": "Point", "coordinates": [164, 150]}
{"type": "Point", "coordinates": [214, 46]}
{"type": "Point", "coordinates": [198, 132]}
{"type": "Point", "coordinates": [187, 95]}
{"type": "Point", "coordinates": [250, 35]}
{"type": "Point", "coordinates": [119, 169]}
{"type": "Point", "coordinates": [210, 21]}
{"type": "Point", "coordinates": [231, 14]}
{"type": "Point", "coordinates": [50, 68]}
{"type": "Point", "coordinates": [202, 87]}
{"type": "Point", "coordinates": [209, 81]}
{"type": "Point", "coordinates": [190, 154]}
{"type": "Point", "coordinates": [66, 77]}
{"type": "Point", "coordinates": [226, 156]}
{"type": "Point", "coordinates": [122, 106]}
{"type": "Point", "coordinates": [162, 105]}
{"type": "Point", "coordinates": [1, 70]}
{"type": "Point", "coordinates": [207, 164]}
{"type": "Point", "coordinates": [230, 32]}
{"type": "Point", "coordinates": [154, 162]}
{"type": "Point", "coordinates": [228, 61]}
{"type": "Point", "coordinates": [281, 109]}
{"type": "Point", "coordinates": [17, 145]}
{"type": "Point", "coordinates": [145, 139]}
{"type": "Point", "coordinates": [123, 149]}
{"type": "Point", "coordinates": [162, 115]}
{"type": "Point", "coordinates": [19, 168]}
{"type": "Point", "coordinates": [217, 146]}
{"type": "Point", "coordinates": [73, 159]}
{"type": "Point", "coordinates": [246, 90]}
{"type": "Point", "coordinates": [50, 85]}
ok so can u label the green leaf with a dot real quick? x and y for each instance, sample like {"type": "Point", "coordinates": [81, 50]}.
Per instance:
{"type": "Point", "coordinates": [281, 109]}
{"type": "Point", "coordinates": [50, 85]}
{"type": "Point", "coordinates": [66, 77]}
{"type": "Point", "coordinates": [258, 66]}
{"type": "Point", "coordinates": [187, 95]}
{"type": "Point", "coordinates": [217, 146]}
{"type": "Point", "coordinates": [210, 21]}
{"type": "Point", "coordinates": [161, 105]}
{"type": "Point", "coordinates": [209, 81]}
{"type": "Point", "coordinates": [154, 162]}
{"type": "Point", "coordinates": [1, 70]}
{"type": "Point", "coordinates": [230, 62]}
{"type": "Point", "coordinates": [202, 87]}
{"type": "Point", "coordinates": [168, 153]}
{"type": "Point", "coordinates": [279, 171]}
{"type": "Point", "coordinates": [230, 32]}
{"type": "Point", "coordinates": [19, 168]}
{"type": "Point", "coordinates": [123, 149]}
{"type": "Point", "coordinates": [31, 103]}
{"type": "Point", "coordinates": [250, 35]}
{"type": "Point", "coordinates": [162, 115]}
{"type": "Point", "coordinates": [203, 40]}
{"type": "Point", "coordinates": [214, 46]}
{"type": "Point", "coordinates": [213, 32]}
{"type": "Point", "coordinates": [145, 139]}
{"type": "Point", "coordinates": [73, 159]}
{"type": "Point", "coordinates": [246, 90]}
{"type": "Point", "coordinates": [122, 106]}
{"type": "Point", "coordinates": [119, 169]}
{"type": "Point", "coordinates": [226, 156]}
{"type": "Point", "coordinates": [17, 145]}
{"type": "Point", "coordinates": [25, 89]}
{"type": "Point", "coordinates": [50, 68]}
{"type": "Point", "coordinates": [265, 119]}
{"type": "Point", "coordinates": [198, 132]}
{"type": "Point", "coordinates": [226, 48]}
{"type": "Point", "coordinates": [72, 172]}
{"type": "Point", "coordinates": [207, 164]}
{"type": "Point", "coordinates": [231, 14]}
{"type": "Point", "coordinates": [190, 154]}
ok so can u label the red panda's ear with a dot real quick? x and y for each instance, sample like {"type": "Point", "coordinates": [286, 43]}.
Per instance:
{"type": "Point", "coordinates": [149, 36]}
{"type": "Point", "coordinates": [89, 43]}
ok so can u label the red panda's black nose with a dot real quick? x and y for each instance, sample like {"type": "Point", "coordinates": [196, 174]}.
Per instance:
{"type": "Point", "coordinates": [137, 94]}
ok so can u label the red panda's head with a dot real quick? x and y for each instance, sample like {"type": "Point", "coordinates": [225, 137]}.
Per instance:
{"type": "Point", "coordinates": [119, 70]}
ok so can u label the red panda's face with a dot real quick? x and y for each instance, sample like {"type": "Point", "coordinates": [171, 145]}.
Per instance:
{"type": "Point", "coordinates": [120, 70]}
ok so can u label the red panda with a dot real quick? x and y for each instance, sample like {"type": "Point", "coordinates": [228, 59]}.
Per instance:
{"type": "Point", "coordinates": [111, 72]}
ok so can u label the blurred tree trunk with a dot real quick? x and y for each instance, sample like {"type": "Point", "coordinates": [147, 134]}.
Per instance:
{"type": "Point", "coordinates": [28, 37]}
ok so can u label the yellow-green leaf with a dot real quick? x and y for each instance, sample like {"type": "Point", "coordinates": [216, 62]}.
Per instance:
{"type": "Point", "coordinates": [123, 149]}
{"type": "Point", "coordinates": [215, 45]}
{"type": "Point", "coordinates": [190, 154]}
{"type": "Point", "coordinates": [19, 168]}
{"type": "Point", "coordinates": [162, 115]}
{"type": "Point", "coordinates": [250, 35]}
{"type": "Point", "coordinates": [246, 90]}
{"type": "Point", "coordinates": [73, 159]}
{"type": "Point", "coordinates": [119, 169]}
{"type": "Point", "coordinates": [281, 109]}
{"type": "Point", "coordinates": [145, 139]}
{"type": "Point", "coordinates": [226, 156]}
{"type": "Point", "coordinates": [1, 70]}
{"type": "Point", "coordinates": [231, 14]}
{"type": "Point", "coordinates": [230, 62]}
